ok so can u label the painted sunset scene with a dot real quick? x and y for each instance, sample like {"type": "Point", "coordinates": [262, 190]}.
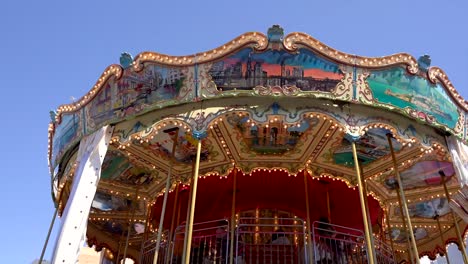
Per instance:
{"type": "Point", "coordinates": [246, 69]}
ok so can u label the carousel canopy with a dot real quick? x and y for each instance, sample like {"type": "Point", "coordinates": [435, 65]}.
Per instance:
{"type": "Point", "coordinates": [270, 109]}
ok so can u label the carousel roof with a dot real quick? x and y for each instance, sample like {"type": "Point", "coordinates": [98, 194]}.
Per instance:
{"type": "Point", "coordinates": [285, 105]}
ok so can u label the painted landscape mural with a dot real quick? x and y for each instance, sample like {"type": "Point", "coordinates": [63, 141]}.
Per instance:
{"type": "Point", "coordinates": [117, 167]}
{"type": "Point", "coordinates": [68, 131]}
{"type": "Point", "coordinates": [422, 174]}
{"type": "Point", "coordinates": [371, 146]}
{"type": "Point", "coordinates": [273, 137]}
{"type": "Point", "coordinates": [400, 235]}
{"type": "Point", "coordinates": [427, 209]}
{"type": "Point", "coordinates": [106, 202]}
{"type": "Point", "coordinates": [246, 69]}
{"type": "Point", "coordinates": [135, 91]}
{"type": "Point", "coordinates": [398, 88]}
{"type": "Point", "coordinates": [185, 151]}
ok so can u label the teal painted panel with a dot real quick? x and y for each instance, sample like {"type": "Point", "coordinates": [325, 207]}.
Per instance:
{"type": "Point", "coordinates": [398, 88]}
{"type": "Point", "coordinates": [67, 132]}
{"type": "Point", "coordinates": [118, 167]}
{"type": "Point", "coordinates": [370, 147]}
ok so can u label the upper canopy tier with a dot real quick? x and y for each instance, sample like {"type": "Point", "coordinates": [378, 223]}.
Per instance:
{"type": "Point", "coordinates": [258, 65]}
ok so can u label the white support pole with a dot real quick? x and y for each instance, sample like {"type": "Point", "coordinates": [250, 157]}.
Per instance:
{"type": "Point", "coordinates": [91, 154]}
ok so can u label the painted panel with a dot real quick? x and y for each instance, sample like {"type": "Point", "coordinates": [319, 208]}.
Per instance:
{"type": "Point", "coordinates": [66, 133]}
{"type": "Point", "coordinates": [276, 136]}
{"type": "Point", "coordinates": [397, 88]}
{"type": "Point", "coordinates": [246, 69]}
{"type": "Point", "coordinates": [117, 227]}
{"type": "Point", "coordinates": [370, 147]}
{"type": "Point", "coordinates": [117, 167]}
{"type": "Point", "coordinates": [106, 202]}
{"type": "Point", "coordinates": [185, 151]}
{"type": "Point", "coordinates": [422, 174]}
{"type": "Point", "coordinates": [400, 235]}
{"type": "Point", "coordinates": [135, 92]}
{"type": "Point", "coordinates": [427, 209]}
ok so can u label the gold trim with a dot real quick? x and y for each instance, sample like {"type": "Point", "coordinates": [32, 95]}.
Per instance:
{"type": "Point", "coordinates": [435, 74]}
{"type": "Point", "coordinates": [259, 40]}
{"type": "Point", "coordinates": [293, 40]}
{"type": "Point", "coordinates": [113, 70]}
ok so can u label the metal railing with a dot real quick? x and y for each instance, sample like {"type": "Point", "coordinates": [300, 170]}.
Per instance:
{"type": "Point", "coordinates": [267, 241]}
{"type": "Point", "coordinates": [343, 245]}
{"type": "Point", "coordinates": [384, 252]}
{"type": "Point", "coordinates": [270, 240]}
{"type": "Point", "coordinates": [149, 246]}
{"type": "Point", "coordinates": [210, 243]}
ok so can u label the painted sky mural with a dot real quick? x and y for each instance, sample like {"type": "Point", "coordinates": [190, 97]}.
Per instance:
{"type": "Point", "coordinates": [247, 69]}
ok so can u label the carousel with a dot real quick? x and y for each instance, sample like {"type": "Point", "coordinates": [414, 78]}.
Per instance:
{"type": "Point", "coordinates": [267, 149]}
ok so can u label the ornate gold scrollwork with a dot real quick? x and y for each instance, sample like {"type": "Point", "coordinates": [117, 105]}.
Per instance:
{"type": "Point", "coordinates": [277, 90]}
{"type": "Point", "coordinates": [435, 74]}
{"type": "Point", "coordinates": [293, 41]}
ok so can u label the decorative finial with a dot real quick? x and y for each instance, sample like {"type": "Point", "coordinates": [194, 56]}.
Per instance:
{"type": "Point", "coordinates": [199, 135]}
{"type": "Point", "coordinates": [275, 107]}
{"type": "Point", "coordinates": [424, 62]}
{"type": "Point", "coordinates": [126, 60]}
{"type": "Point", "coordinates": [275, 34]}
{"type": "Point", "coordinates": [351, 137]}
{"type": "Point", "coordinates": [52, 114]}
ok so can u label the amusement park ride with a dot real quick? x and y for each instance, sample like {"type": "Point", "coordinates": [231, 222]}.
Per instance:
{"type": "Point", "coordinates": [267, 149]}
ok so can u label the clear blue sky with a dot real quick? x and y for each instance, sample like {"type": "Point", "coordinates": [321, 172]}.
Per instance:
{"type": "Point", "coordinates": [53, 50]}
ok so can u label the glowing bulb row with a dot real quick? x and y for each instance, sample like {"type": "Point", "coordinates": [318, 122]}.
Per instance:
{"type": "Point", "coordinates": [420, 226]}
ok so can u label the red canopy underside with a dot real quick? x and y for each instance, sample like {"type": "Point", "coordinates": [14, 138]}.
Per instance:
{"type": "Point", "coordinates": [269, 190]}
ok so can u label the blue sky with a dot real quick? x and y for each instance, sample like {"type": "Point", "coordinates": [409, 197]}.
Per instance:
{"type": "Point", "coordinates": [55, 50]}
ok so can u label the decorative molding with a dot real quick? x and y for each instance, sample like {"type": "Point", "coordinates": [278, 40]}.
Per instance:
{"type": "Point", "coordinates": [276, 90]}
{"type": "Point", "coordinates": [258, 41]}
{"type": "Point", "coordinates": [344, 89]}
{"type": "Point", "coordinates": [364, 92]}
{"type": "Point", "coordinates": [113, 70]}
{"type": "Point", "coordinates": [293, 40]}
{"type": "Point", "coordinates": [435, 74]}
